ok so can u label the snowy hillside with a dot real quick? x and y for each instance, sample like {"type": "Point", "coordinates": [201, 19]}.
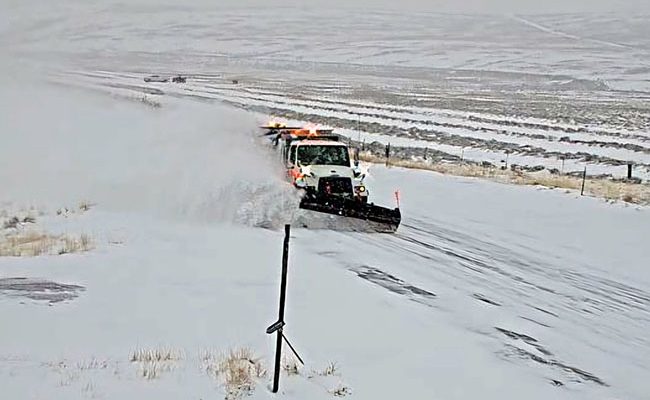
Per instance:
{"type": "Point", "coordinates": [139, 222]}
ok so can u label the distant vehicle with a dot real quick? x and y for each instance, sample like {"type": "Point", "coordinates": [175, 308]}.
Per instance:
{"type": "Point", "coordinates": [317, 162]}
{"type": "Point", "coordinates": [162, 79]}
{"type": "Point", "coordinates": [156, 78]}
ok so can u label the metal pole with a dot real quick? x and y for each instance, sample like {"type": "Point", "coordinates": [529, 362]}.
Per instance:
{"type": "Point", "coordinates": [584, 177]}
{"type": "Point", "coordinates": [283, 297]}
{"type": "Point", "coordinates": [387, 153]}
{"type": "Point", "coordinates": [629, 170]}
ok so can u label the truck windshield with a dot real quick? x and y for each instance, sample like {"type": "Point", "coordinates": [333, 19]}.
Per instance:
{"type": "Point", "coordinates": [323, 155]}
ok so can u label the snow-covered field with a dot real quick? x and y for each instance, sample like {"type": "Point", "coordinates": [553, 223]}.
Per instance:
{"type": "Point", "coordinates": [486, 291]}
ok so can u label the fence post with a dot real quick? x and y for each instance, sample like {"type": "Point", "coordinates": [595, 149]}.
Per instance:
{"type": "Point", "coordinates": [584, 178]}
{"type": "Point", "coordinates": [387, 153]}
{"type": "Point", "coordinates": [629, 170]}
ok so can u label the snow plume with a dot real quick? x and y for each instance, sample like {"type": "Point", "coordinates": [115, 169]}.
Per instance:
{"type": "Point", "coordinates": [60, 146]}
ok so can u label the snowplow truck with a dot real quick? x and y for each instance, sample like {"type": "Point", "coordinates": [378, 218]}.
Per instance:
{"type": "Point", "coordinates": [319, 163]}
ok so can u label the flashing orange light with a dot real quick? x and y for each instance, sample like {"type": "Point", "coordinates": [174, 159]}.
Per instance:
{"type": "Point", "coordinates": [311, 129]}
{"type": "Point", "coordinates": [297, 174]}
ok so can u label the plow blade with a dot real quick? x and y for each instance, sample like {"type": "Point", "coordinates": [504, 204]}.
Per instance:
{"type": "Point", "coordinates": [367, 216]}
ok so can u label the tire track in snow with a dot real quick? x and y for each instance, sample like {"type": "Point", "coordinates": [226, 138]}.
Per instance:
{"type": "Point", "coordinates": [542, 291]}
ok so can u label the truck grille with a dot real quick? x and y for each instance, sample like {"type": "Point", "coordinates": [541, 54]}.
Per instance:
{"type": "Point", "coordinates": [339, 186]}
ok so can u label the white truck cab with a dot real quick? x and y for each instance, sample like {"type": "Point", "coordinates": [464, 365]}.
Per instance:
{"type": "Point", "coordinates": [324, 167]}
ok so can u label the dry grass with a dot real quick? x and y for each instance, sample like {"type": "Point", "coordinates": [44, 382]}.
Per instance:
{"type": "Point", "coordinates": [603, 188]}
{"type": "Point", "coordinates": [92, 364]}
{"type": "Point", "coordinates": [27, 244]}
{"type": "Point", "coordinates": [70, 373]}
{"type": "Point", "coordinates": [153, 362]}
{"type": "Point", "coordinates": [72, 244]}
{"type": "Point", "coordinates": [237, 370]}
{"type": "Point", "coordinates": [33, 244]}
{"type": "Point", "coordinates": [153, 369]}
{"type": "Point", "coordinates": [155, 355]}
{"type": "Point", "coordinates": [290, 366]}
{"type": "Point", "coordinates": [327, 377]}
{"type": "Point", "coordinates": [330, 369]}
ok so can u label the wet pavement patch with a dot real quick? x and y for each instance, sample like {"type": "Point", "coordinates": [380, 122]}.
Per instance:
{"type": "Point", "coordinates": [39, 289]}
